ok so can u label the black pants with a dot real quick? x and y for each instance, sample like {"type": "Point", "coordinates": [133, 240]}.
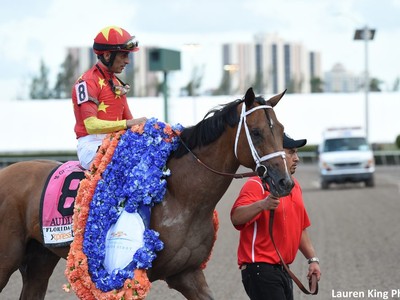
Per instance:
{"type": "Point", "coordinates": [263, 281]}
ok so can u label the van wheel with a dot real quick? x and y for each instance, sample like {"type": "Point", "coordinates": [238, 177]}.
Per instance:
{"type": "Point", "coordinates": [324, 185]}
{"type": "Point", "coordinates": [370, 182]}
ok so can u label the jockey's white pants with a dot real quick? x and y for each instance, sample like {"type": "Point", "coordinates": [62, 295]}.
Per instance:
{"type": "Point", "coordinates": [87, 148]}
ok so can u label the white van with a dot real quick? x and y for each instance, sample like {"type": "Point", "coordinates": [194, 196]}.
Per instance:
{"type": "Point", "coordinates": [345, 156]}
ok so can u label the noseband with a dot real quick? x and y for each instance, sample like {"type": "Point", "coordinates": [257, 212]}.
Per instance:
{"type": "Point", "coordinates": [262, 170]}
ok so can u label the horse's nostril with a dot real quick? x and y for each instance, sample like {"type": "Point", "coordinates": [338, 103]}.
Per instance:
{"type": "Point", "coordinates": [286, 184]}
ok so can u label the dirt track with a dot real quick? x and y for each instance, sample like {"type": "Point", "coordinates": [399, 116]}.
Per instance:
{"type": "Point", "coordinates": [355, 231]}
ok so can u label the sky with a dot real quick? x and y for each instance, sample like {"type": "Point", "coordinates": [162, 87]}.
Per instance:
{"type": "Point", "coordinates": [43, 29]}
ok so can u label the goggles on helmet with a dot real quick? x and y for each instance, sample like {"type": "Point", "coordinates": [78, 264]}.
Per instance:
{"type": "Point", "coordinates": [119, 90]}
{"type": "Point", "coordinates": [130, 45]}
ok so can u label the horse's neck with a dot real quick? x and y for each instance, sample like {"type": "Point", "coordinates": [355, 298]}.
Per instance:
{"type": "Point", "coordinates": [201, 182]}
{"type": "Point", "coordinates": [219, 157]}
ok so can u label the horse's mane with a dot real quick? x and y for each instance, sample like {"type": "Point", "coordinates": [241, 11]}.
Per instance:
{"type": "Point", "coordinates": [211, 127]}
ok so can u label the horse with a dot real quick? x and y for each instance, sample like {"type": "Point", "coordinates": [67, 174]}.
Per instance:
{"type": "Point", "coordinates": [243, 132]}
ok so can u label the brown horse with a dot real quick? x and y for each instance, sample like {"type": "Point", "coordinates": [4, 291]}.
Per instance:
{"type": "Point", "coordinates": [244, 132]}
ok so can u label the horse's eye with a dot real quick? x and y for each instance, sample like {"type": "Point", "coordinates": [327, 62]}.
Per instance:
{"type": "Point", "coordinates": [255, 132]}
{"type": "Point", "coordinates": [256, 135]}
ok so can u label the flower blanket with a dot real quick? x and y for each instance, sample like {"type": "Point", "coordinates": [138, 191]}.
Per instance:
{"type": "Point", "coordinates": [128, 174]}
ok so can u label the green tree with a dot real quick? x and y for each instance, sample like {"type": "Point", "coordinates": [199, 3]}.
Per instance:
{"type": "Point", "coordinates": [193, 86]}
{"type": "Point", "coordinates": [224, 86]}
{"type": "Point", "coordinates": [316, 85]}
{"type": "Point", "coordinates": [39, 88]}
{"type": "Point", "coordinates": [374, 85]}
{"type": "Point", "coordinates": [398, 141]}
{"type": "Point", "coordinates": [65, 78]}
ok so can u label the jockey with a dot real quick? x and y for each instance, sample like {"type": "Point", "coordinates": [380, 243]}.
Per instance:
{"type": "Point", "coordinates": [99, 96]}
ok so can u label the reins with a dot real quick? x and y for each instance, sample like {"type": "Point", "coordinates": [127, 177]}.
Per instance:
{"type": "Point", "coordinates": [313, 282]}
{"type": "Point", "coordinates": [240, 175]}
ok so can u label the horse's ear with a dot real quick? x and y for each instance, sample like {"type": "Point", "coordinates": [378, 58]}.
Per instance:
{"type": "Point", "coordinates": [249, 97]}
{"type": "Point", "coordinates": [275, 99]}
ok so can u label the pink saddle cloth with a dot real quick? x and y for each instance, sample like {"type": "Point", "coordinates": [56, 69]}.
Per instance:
{"type": "Point", "coordinates": [57, 204]}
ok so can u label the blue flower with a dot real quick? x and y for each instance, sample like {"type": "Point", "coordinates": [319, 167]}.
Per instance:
{"type": "Point", "coordinates": [134, 177]}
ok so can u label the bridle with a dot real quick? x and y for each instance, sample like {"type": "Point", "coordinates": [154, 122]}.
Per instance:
{"type": "Point", "coordinates": [257, 159]}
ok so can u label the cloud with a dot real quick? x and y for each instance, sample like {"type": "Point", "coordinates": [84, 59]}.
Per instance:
{"type": "Point", "coordinates": [43, 29]}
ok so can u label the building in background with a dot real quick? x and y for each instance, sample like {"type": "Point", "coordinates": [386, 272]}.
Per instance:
{"type": "Point", "coordinates": [85, 58]}
{"type": "Point", "coordinates": [315, 64]}
{"type": "Point", "coordinates": [143, 82]}
{"type": "Point", "coordinates": [270, 65]}
{"type": "Point", "coordinates": [339, 80]}
{"type": "Point", "coordinates": [239, 67]}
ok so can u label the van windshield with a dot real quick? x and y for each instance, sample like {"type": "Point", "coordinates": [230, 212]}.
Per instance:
{"type": "Point", "coordinates": [346, 144]}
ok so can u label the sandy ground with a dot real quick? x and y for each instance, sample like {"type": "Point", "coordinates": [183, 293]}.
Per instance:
{"type": "Point", "coordinates": [355, 231]}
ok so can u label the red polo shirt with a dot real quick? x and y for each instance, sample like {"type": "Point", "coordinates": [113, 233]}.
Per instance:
{"type": "Point", "coordinates": [290, 220]}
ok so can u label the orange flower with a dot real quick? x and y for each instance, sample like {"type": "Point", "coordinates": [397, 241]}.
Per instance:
{"type": "Point", "coordinates": [216, 226]}
{"type": "Point", "coordinates": [141, 277]}
{"type": "Point", "coordinates": [168, 129]}
{"type": "Point", "coordinates": [77, 268]}
{"type": "Point", "coordinates": [128, 294]}
{"type": "Point", "coordinates": [138, 128]}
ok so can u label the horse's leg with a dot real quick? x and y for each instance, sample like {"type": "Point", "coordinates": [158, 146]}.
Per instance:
{"type": "Point", "coordinates": [11, 255]}
{"type": "Point", "coordinates": [12, 235]}
{"type": "Point", "coordinates": [36, 270]}
{"type": "Point", "coordinates": [192, 284]}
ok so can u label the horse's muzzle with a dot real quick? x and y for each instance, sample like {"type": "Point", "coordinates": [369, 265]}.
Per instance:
{"type": "Point", "coordinates": [284, 186]}
{"type": "Point", "coordinates": [277, 186]}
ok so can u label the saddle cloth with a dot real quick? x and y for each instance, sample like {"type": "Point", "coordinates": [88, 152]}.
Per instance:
{"type": "Point", "coordinates": [57, 204]}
